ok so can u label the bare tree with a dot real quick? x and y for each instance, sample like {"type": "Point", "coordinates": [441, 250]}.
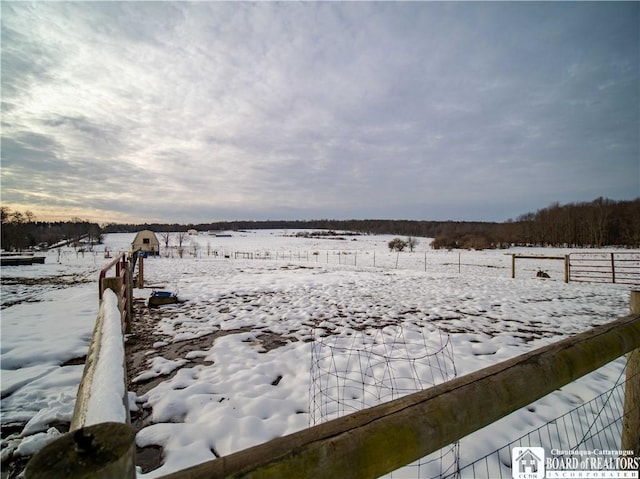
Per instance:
{"type": "Point", "coordinates": [599, 212]}
{"type": "Point", "coordinates": [412, 242]}
{"type": "Point", "coordinates": [181, 237]}
{"type": "Point", "coordinates": [5, 211]}
{"type": "Point", "coordinates": [166, 237]}
{"type": "Point", "coordinates": [17, 217]}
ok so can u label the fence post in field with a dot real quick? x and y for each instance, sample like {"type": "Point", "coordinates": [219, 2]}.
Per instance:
{"type": "Point", "coordinates": [140, 272]}
{"type": "Point", "coordinates": [114, 284]}
{"type": "Point", "coordinates": [613, 268]}
{"type": "Point", "coordinates": [129, 302]}
{"type": "Point", "coordinates": [567, 268]}
{"type": "Point", "coordinates": [102, 451]}
{"type": "Point", "coordinates": [631, 418]}
{"type": "Point", "coordinates": [513, 266]}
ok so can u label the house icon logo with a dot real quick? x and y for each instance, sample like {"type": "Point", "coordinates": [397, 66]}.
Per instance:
{"type": "Point", "coordinates": [527, 463]}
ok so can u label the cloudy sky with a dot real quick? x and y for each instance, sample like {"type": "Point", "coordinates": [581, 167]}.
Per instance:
{"type": "Point", "coordinates": [195, 112]}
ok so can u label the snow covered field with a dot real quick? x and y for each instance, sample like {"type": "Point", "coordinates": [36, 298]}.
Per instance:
{"type": "Point", "coordinates": [230, 365]}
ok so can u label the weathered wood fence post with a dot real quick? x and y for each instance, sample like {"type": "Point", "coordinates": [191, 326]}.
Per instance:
{"type": "Point", "coordinates": [631, 419]}
{"type": "Point", "coordinates": [103, 451]}
{"type": "Point", "coordinates": [129, 319]}
{"type": "Point", "coordinates": [113, 283]}
{"type": "Point", "coordinates": [140, 272]}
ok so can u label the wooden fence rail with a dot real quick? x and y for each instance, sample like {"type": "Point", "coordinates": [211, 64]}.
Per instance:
{"type": "Point", "coordinates": [122, 283]}
{"type": "Point", "coordinates": [102, 394]}
{"type": "Point", "coordinates": [101, 442]}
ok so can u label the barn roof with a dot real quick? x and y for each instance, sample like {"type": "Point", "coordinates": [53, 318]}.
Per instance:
{"type": "Point", "coordinates": [145, 234]}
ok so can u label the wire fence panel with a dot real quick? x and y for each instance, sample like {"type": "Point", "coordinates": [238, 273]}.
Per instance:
{"type": "Point", "coordinates": [358, 369]}
{"type": "Point", "coordinates": [594, 425]}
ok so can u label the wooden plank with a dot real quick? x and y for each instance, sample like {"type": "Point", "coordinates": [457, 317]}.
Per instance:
{"type": "Point", "coordinates": [21, 261]}
{"type": "Point", "coordinates": [85, 389]}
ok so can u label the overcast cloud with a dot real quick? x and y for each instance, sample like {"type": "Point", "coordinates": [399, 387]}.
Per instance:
{"type": "Point", "coordinates": [194, 112]}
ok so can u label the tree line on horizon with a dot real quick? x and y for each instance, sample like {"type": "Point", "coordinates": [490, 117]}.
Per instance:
{"type": "Point", "coordinates": [596, 224]}
{"type": "Point", "coordinates": [21, 231]}
{"type": "Point", "coordinates": [599, 223]}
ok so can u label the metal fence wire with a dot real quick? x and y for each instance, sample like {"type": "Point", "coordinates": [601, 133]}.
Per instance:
{"type": "Point", "coordinates": [594, 425]}
{"type": "Point", "coordinates": [610, 267]}
{"type": "Point", "coordinates": [354, 370]}
{"type": "Point", "coordinates": [361, 368]}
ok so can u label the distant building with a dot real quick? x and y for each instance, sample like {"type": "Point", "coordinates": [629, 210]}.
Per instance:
{"type": "Point", "coordinates": [146, 241]}
{"type": "Point", "coordinates": [219, 234]}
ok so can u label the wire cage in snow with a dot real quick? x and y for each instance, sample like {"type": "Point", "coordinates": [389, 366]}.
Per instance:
{"type": "Point", "coordinates": [358, 367]}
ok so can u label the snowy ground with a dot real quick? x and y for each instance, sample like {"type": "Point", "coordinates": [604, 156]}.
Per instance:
{"type": "Point", "coordinates": [230, 366]}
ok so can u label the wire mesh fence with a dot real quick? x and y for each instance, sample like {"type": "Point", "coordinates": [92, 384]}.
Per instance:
{"type": "Point", "coordinates": [358, 369]}
{"type": "Point", "coordinates": [595, 425]}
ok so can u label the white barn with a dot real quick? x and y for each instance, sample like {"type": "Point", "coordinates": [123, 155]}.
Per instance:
{"type": "Point", "coordinates": [146, 241]}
